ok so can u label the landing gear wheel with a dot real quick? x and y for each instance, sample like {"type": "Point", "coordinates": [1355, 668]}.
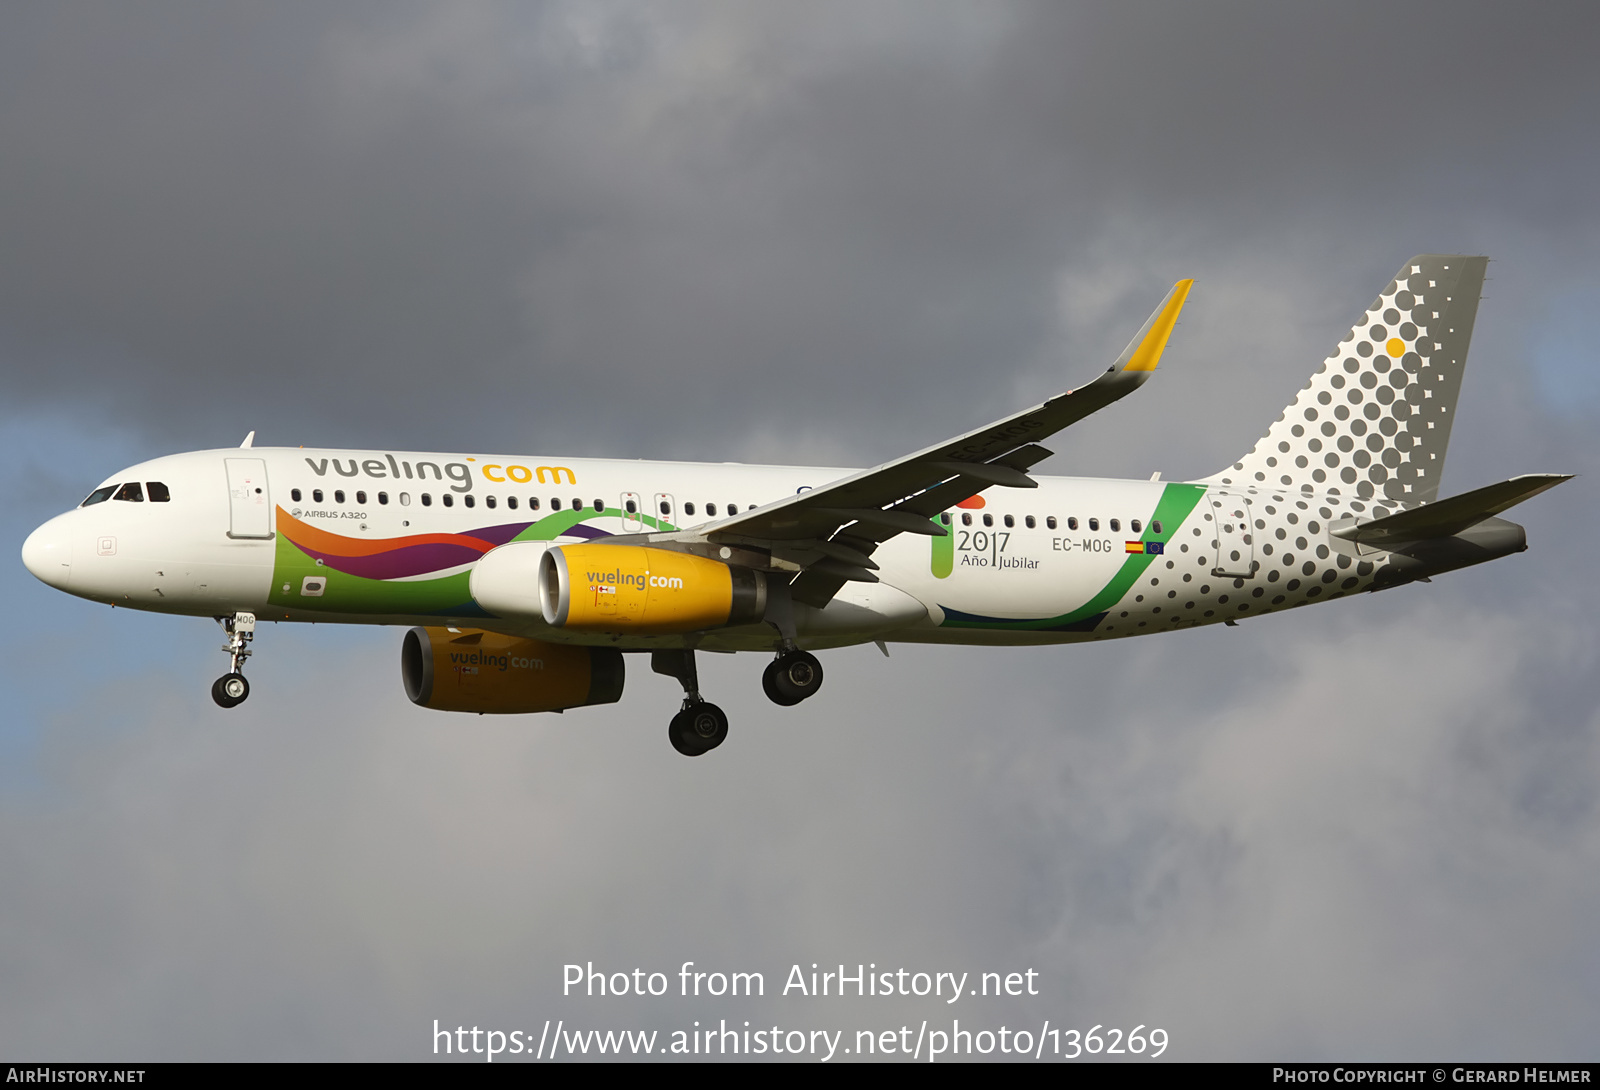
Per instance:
{"type": "Point", "coordinates": [230, 690]}
{"type": "Point", "coordinates": [769, 685]}
{"type": "Point", "coordinates": [791, 677]}
{"type": "Point", "coordinates": [697, 729]}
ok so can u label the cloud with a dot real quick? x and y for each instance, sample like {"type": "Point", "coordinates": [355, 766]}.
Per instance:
{"type": "Point", "coordinates": [822, 235]}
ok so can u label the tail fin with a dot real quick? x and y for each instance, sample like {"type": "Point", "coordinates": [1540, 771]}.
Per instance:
{"type": "Point", "coordinates": [1375, 420]}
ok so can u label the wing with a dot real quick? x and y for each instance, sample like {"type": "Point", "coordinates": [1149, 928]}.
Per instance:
{"type": "Point", "coordinates": [828, 535]}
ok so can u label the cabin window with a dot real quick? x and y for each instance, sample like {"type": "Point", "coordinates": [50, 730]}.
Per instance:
{"type": "Point", "coordinates": [1029, 523]}
{"type": "Point", "coordinates": [577, 504]}
{"type": "Point", "coordinates": [1116, 527]}
{"type": "Point", "coordinates": [338, 495]}
{"type": "Point", "coordinates": [448, 500]}
{"type": "Point", "coordinates": [555, 503]}
{"type": "Point", "coordinates": [632, 507]}
{"type": "Point", "coordinates": [1050, 521]}
{"type": "Point", "coordinates": [511, 502]}
{"type": "Point", "coordinates": [966, 518]}
{"type": "Point", "coordinates": [533, 503]}
{"type": "Point", "coordinates": [470, 501]}
{"type": "Point", "coordinates": [294, 494]}
{"type": "Point", "coordinates": [488, 501]}
{"type": "Point", "coordinates": [599, 506]}
{"type": "Point", "coordinates": [988, 520]}
{"type": "Point", "coordinates": [711, 509]}
{"type": "Point", "coordinates": [99, 495]}
{"type": "Point", "coordinates": [1155, 527]}
{"type": "Point", "coordinates": [383, 499]}
{"type": "Point", "coordinates": [944, 517]}
{"type": "Point", "coordinates": [427, 499]}
{"type": "Point", "coordinates": [361, 498]}
{"type": "Point", "coordinates": [666, 508]}
{"type": "Point", "coordinates": [1072, 522]}
{"type": "Point", "coordinates": [1134, 526]}
{"type": "Point", "coordinates": [1010, 522]}
{"type": "Point", "coordinates": [316, 495]}
{"type": "Point", "coordinates": [1094, 524]}
{"type": "Point", "coordinates": [405, 499]}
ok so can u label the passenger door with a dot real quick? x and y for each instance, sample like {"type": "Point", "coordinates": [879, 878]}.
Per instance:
{"type": "Point", "coordinates": [249, 501]}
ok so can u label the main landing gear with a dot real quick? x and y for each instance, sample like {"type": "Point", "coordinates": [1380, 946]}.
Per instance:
{"type": "Point", "coordinates": [700, 726]}
{"type": "Point", "coordinates": [791, 677]}
{"type": "Point", "coordinates": [231, 689]}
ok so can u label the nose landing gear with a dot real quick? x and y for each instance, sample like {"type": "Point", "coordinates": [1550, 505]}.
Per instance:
{"type": "Point", "coordinates": [700, 726]}
{"type": "Point", "coordinates": [231, 689]}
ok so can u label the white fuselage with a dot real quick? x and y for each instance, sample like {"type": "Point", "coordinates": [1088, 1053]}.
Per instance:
{"type": "Point", "coordinates": [392, 538]}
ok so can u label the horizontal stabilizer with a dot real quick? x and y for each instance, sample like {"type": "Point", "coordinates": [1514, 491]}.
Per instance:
{"type": "Point", "coordinates": [1448, 517]}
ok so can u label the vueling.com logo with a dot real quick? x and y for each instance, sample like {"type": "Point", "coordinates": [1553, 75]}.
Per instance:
{"type": "Point", "coordinates": [523, 475]}
{"type": "Point", "coordinates": [473, 659]}
{"type": "Point", "coordinates": [609, 580]}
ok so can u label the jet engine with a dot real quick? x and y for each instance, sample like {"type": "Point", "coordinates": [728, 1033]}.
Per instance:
{"type": "Point", "coordinates": [473, 671]}
{"type": "Point", "coordinates": [635, 588]}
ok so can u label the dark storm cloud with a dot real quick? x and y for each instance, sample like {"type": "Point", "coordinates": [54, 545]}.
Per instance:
{"type": "Point", "coordinates": [496, 224]}
{"type": "Point", "coordinates": [794, 234]}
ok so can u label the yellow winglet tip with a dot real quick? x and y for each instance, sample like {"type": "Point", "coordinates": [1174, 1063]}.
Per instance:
{"type": "Point", "coordinates": [1148, 354]}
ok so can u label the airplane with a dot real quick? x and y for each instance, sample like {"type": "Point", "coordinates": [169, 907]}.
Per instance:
{"type": "Point", "coordinates": [525, 582]}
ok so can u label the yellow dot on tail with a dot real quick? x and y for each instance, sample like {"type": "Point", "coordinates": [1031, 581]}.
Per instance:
{"type": "Point", "coordinates": [1396, 347]}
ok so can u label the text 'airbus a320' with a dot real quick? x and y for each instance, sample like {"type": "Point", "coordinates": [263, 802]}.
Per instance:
{"type": "Point", "coordinates": [529, 580]}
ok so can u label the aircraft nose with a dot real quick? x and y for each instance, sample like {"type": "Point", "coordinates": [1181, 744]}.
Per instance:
{"type": "Point", "coordinates": [48, 554]}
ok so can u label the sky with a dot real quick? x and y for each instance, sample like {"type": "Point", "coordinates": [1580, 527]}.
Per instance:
{"type": "Point", "coordinates": [818, 234]}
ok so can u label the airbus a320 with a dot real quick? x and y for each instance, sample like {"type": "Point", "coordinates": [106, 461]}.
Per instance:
{"type": "Point", "coordinates": [528, 582]}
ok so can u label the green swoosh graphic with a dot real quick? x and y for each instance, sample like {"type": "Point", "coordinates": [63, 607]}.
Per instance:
{"type": "Point", "coordinates": [1176, 504]}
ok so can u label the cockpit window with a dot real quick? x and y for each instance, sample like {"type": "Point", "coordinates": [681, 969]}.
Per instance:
{"type": "Point", "coordinates": [158, 492]}
{"type": "Point", "coordinates": [99, 495]}
{"type": "Point", "coordinates": [130, 491]}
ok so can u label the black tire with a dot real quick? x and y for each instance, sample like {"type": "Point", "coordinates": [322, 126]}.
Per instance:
{"type": "Point", "coordinates": [769, 685]}
{"type": "Point", "coordinates": [230, 690]}
{"type": "Point", "coordinates": [678, 736]}
{"type": "Point", "coordinates": [698, 729]}
{"type": "Point", "coordinates": [796, 676]}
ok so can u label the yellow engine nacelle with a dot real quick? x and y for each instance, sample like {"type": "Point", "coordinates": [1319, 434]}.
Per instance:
{"type": "Point", "coordinates": [471, 671]}
{"type": "Point", "coordinates": [634, 588]}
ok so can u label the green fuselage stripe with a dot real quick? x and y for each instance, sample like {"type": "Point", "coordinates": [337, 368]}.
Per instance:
{"type": "Point", "coordinates": [944, 551]}
{"type": "Point", "coordinates": [1176, 504]}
